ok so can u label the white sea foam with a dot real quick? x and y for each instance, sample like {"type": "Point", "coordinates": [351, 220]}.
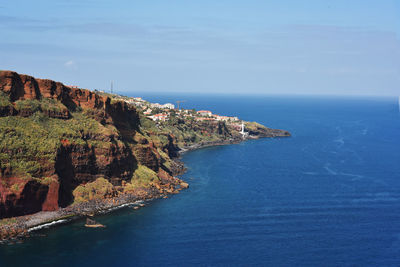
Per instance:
{"type": "Point", "coordinates": [124, 205]}
{"type": "Point", "coordinates": [115, 208]}
{"type": "Point", "coordinates": [377, 197]}
{"type": "Point", "coordinates": [359, 177]}
{"type": "Point", "coordinates": [329, 170]}
{"type": "Point", "coordinates": [46, 225]}
{"type": "Point", "coordinates": [356, 177]}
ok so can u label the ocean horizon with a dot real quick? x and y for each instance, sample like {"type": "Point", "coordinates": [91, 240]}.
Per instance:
{"type": "Point", "coordinates": [329, 195]}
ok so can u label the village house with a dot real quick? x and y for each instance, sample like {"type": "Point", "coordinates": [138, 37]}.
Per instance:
{"type": "Point", "coordinates": [148, 111]}
{"type": "Point", "coordinates": [159, 117]}
{"type": "Point", "coordinates": [165, 106]}
{"type": "Point", "coordinates": [225, 118]}
{"type": "Point", "coordinates": [204, 113]}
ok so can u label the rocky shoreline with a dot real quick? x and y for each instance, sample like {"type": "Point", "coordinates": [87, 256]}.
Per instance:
{"type": "Point", "coordinates": [21, 227]}
{"type": "Point", "coordinates": [207, 144]}
{"type": "Point", "coordinates": [18, 228]}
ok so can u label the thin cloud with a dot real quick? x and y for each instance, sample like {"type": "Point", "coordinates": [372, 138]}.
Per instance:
{"type": "Point", "coordinates": [26, 24]}
{"type": "Point", "coordinates": [70, 64]}
{"type": "Point", "coordinates": [108, 29]}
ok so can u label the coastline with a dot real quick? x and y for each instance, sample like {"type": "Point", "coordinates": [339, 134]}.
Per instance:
{"type": "Point", "coordinates": [104, 151]}
{"type": "Point", "coordinates": [22, 226]}
{"type": "Point", "coordinates": [26, 224]}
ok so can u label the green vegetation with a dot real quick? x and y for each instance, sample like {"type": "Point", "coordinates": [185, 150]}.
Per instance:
{"type": "Point", "coordinates": [160, 140]}
{"type": "Point", "coordinates": [186, 131]}
{"type": "Point", "coordinates": [147, 124]}
{"type": "Point", "coordinates": [254, 126]}
{"type": "Point", "coordinates": [143, 176]}
{"type": "Point", "coordinates": [166, 161]}
{"type": "Point", "coordinates": [32, 105]}
{"type": "Point", "coordinates": [8, 221]}
{"type": "Point", "coordinates": [4, 99]}
{"type": "Point", "coordinates": [36, 139]}
{"type": "Point", "coordinates": [52, 105]}
{"type": "Point", "coordinates": [99, 189]}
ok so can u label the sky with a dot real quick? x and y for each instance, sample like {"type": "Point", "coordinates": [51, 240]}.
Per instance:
{"type": "Point", "coordinates": [338, 47]}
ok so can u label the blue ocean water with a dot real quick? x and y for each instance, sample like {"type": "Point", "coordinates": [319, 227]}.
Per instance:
{"type": "Point", "coordinates": [327, 196]}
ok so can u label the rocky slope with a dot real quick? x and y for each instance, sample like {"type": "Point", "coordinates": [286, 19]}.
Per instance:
{"type": "Point", "coordinates": [63, 146]}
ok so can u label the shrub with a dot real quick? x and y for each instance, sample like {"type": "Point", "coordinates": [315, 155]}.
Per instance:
{"type": "Point", "coordinates": [52, 105]}
{"type": "Point", "coordinates": [143, 176]}
{"type": "Point", "coordinates": [4, 99]}
{"type": "Point", "coordinates": [99, 189]}
{"type": "Point", "coordinates": [28, 104]}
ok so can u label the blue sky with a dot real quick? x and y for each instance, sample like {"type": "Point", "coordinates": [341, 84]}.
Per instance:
{"type": "Point", "coordinates": [268, 47]}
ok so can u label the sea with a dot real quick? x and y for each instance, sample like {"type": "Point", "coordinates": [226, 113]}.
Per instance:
{"type": "Point", "coordinates": [327, 196]}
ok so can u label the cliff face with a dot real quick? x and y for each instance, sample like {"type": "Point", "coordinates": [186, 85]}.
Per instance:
{"type": "Point", "coordinates": [20, 87]}
{"type": "Point", "coordinates": [54, 139]}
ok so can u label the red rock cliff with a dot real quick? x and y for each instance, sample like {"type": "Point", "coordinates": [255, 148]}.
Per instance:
{"type": "Point", "coordinates": [75, 163]}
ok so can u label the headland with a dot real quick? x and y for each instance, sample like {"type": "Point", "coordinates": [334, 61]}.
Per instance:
{"type": "Point", "coordinates": [68, 152]}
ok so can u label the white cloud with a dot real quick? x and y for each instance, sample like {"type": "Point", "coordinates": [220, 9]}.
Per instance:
{"type": "Point", "coordinates": [70, 64]}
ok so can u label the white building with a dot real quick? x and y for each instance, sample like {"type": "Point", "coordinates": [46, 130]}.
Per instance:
{"type": "Point", "coordinates": [169, 106]}
{"type": "Point", "coordinates": [156, 105]}
{"type": "Point", "coordinates": [159, 117]}
{"type": "Point", "coordinates": [204, 113]}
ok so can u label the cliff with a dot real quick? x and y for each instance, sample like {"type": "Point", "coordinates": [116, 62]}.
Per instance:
{"type": "Point", "coordinates": [56, 139]}
{"type": "Point", "coordinates": [62, 146]}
